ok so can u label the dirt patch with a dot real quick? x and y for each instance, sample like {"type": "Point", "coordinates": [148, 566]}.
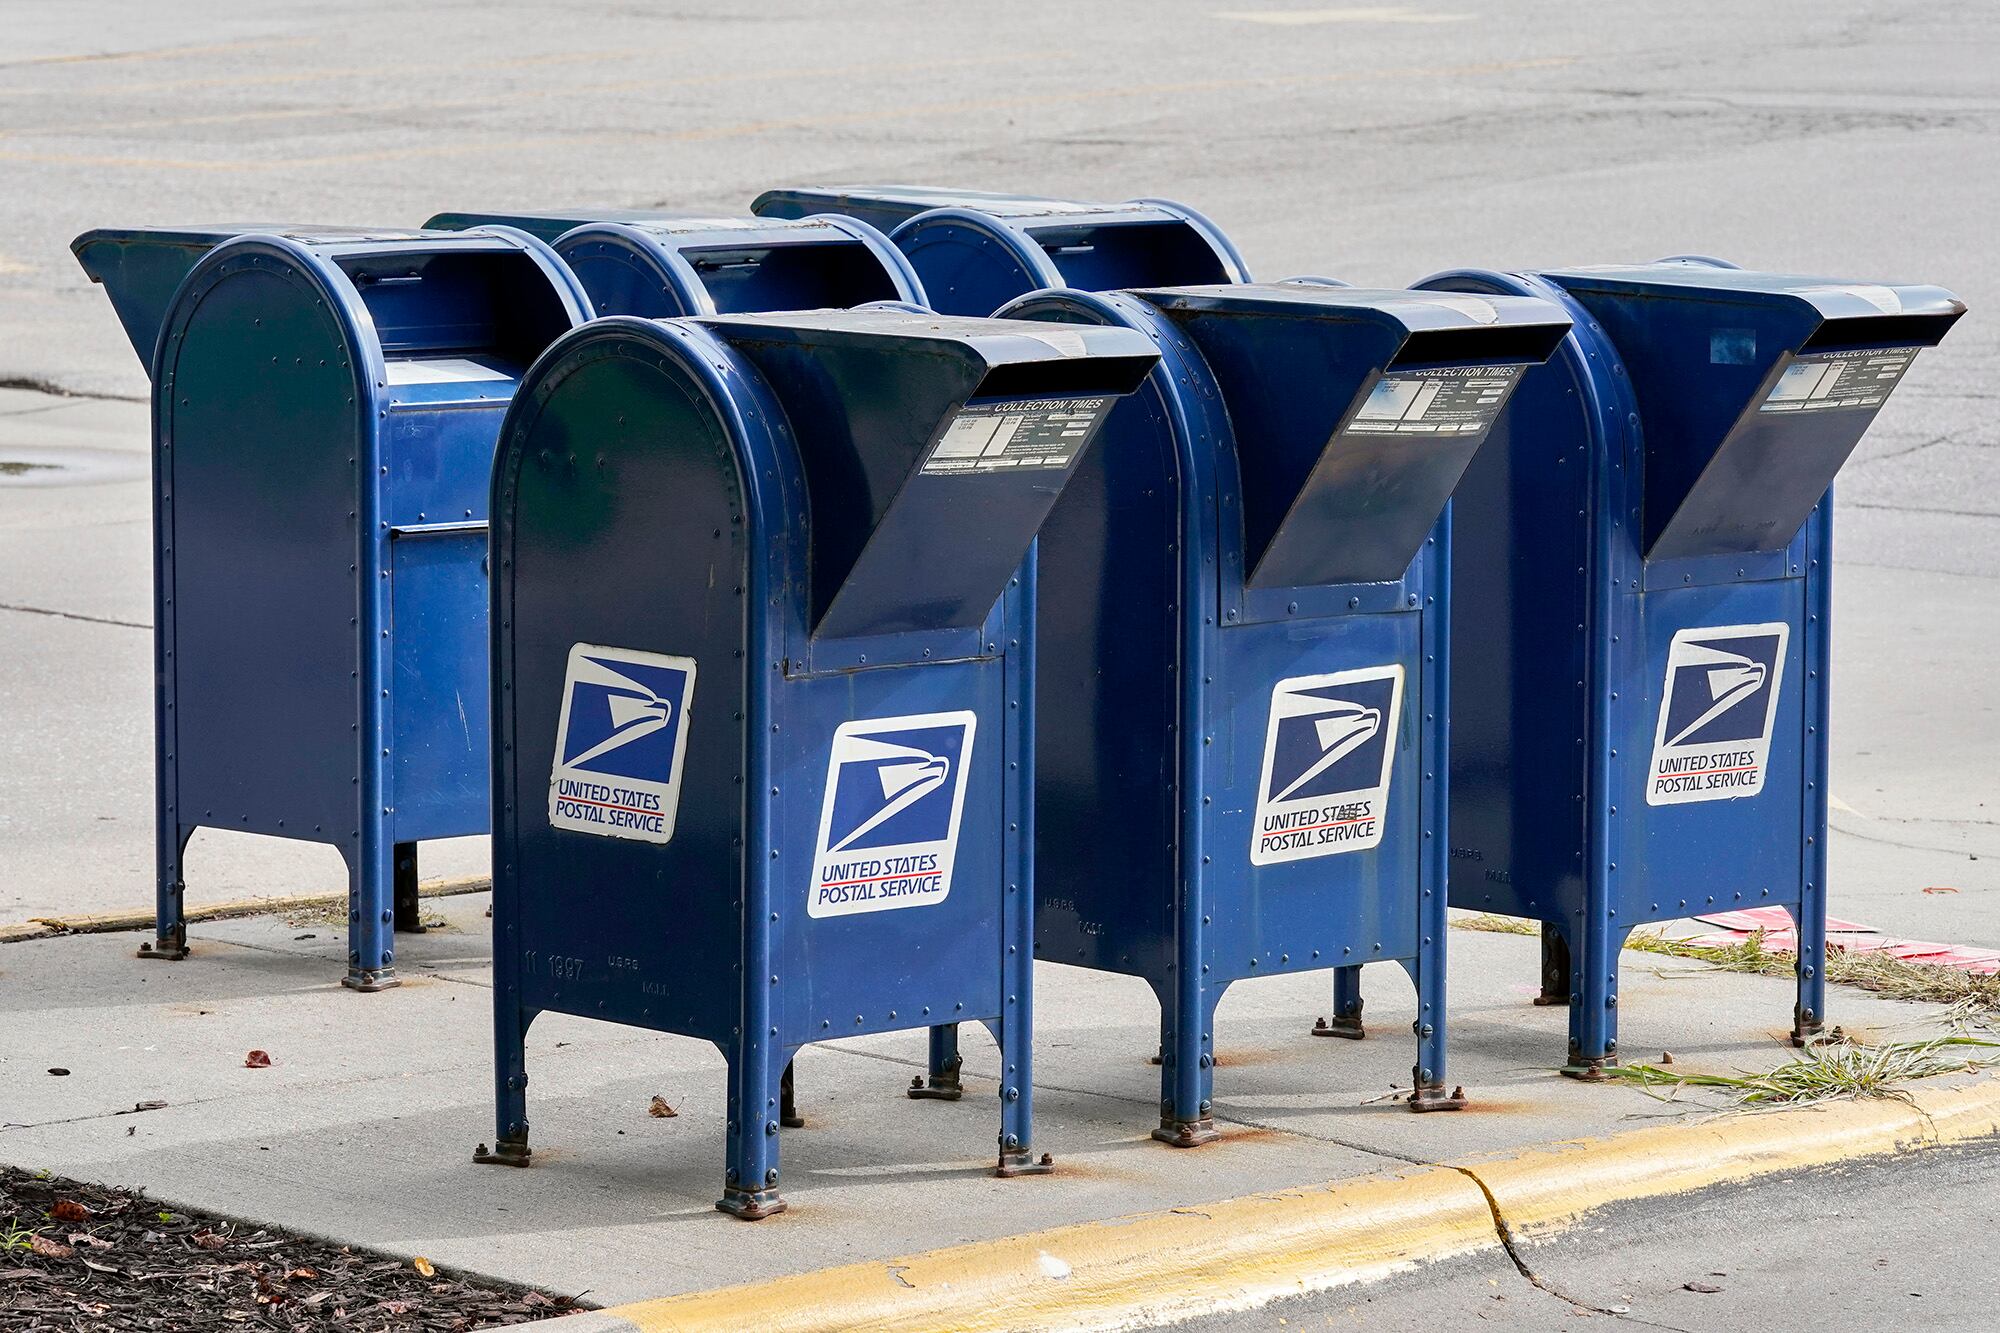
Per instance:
{"type": "Point", "coordinates": [93, 1259]}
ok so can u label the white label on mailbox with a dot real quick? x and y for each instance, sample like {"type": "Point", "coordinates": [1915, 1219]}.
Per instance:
{"type": "Point", "coordinates": [888, 828]}
{"type": "Point", "coordinates": [1823, 381]}
{"type": "Point", "coordinates": [1327, 756]}
{"type": "Point", "coordinates": [1450, 400]}
{"type": "Point", "coordinates": [620, 743]}
{"type": "Point", "coordinates": [1717, 705]}
{"type": "Point", "coordinates": [997, 437]}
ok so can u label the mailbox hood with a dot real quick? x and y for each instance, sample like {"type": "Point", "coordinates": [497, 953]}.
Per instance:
{"type": "Point", "coordinates": [1355, 411]}
{"type": "Point", "coordinates": [977, 251]}
{"type": "Point", "coordinates": [142, 267]}
{"type": "Point", "coordinates": [1753, 388]}
{"type": "Point", "coordinates": [933, 448]}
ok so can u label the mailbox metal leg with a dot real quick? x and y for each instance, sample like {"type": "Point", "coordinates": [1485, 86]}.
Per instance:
{"type": "Point", "coordinates": [1014, 1030]}
{"type": "Point", "coordinates": [1809, 917]}
{"type": "Point", "coordinates": [1427, 1076]}
{"type": "Point", "coordinates": [371, 955]}
{"type": "Point", "coordinates": [945, 1063]}
{"type": "Point", "coordinates": [1017, 1101]}
{"type": "Point", "coordinates": [409, 914]}
{"type": "Point", "coordinates": [788, 1103]}
{"type": "Point", "coordinates": [1593, 1009]}
{"type": "Point", "coordinates": [1809, 1014]}
{"type": "Point", "coordinates": [510, 1087]}
{"type": "Point", "coordinates": [1555, 966]}
{"type": "Point", "coordinates": [1187, 1074]}
{"type": "Point", "coordinates": [756, 1093]}
{"type": "Point", "coordinates": [1346, 1021]}
{"type": "Point", "coordinates": [170, 940]}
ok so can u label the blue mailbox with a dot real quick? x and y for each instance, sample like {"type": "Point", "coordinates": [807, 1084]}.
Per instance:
{"type": "Point", "coordinates": [661, 265]}
{"type": "Point", "coordinates": [1240, 738]}
{"type": "Point", "coordinates": [325, 403]}
{"type": "Point", "coordinates": [975, 251]}
{"type": "Point", "coordinates": [762, 642]}
{"type": "Point", "coordinates": [1639, 727]}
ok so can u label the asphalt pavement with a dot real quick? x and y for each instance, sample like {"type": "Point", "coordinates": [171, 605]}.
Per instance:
{"type": "Point", "coordinates": [1869, 1245]}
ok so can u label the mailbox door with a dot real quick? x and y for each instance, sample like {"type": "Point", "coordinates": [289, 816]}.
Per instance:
{"type": "Point", "coordinates": [888, 889]}
{"type": "Point", "coordinates": [1317, 808]}
{"type": "Point", "coordinates": [1708, 783]}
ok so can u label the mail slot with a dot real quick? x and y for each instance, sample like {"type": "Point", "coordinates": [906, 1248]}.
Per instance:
{"type": "Point", "coordinates": [663, 264]}
{"type": "Point", "coordinates": [975, 250]}
{"type": "Point", "coordinates": [1240, 737]}
{"type": "Point", "coordinates": [325, 403]}
{"type": "Point", "coordinates": [1643, 565]}
{"type": "Point", "coordinates": [763, 644]}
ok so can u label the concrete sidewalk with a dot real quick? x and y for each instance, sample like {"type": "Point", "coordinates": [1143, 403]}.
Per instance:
{"type": "Point", "coordinates": [363, 1127]}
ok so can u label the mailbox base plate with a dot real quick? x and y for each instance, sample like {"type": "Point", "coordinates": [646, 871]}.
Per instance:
{"type": "Point", "coordinates": [503, 1153]}
{"type": "Point", "coordinates": [1437, 1099]}
{"type": "Point", "coordinates": [1590, 1071]}
{"type": "Point", "coordinates": [1024, 1164]}
{"type": "Point", "coordinates": [383, 978]}
{"type": "Point", "coordinates": [1187, 1133]}
{"type": "Point", "coordinates": [171, 951]}
{"type": "Point", "coordinates": [750, 1205]}
{"type": "Point", "coordinates": [1341, 1025]}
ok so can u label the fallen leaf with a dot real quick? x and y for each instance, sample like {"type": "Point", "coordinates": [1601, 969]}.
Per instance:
{"type": "Point", "coordinates": [60, 1072]}
{"type": "Point", "coordinates": [208, 1240]}
{"type": "Point", "coordinates": [1940, 888]}
{"type": "Point", "coordinates": [257, 1060]}
{"type": "Point", "coordinates": [96, 1267]}
{"type": "Point", "coordinates": [659, 1110]}
{"type": "Point", "coordinates": [49, 1249]}
{"type": "Point", "coordinates": [69, 1210]}
{"type": "Point", "coordinates": [1705, 1288]}
{"type": "Point", "coordinates": [85, 1238]}
{"type": "Point", "coordinates": [301, 1275]}
{"type": "Point", "coordinates": [423, 1266]}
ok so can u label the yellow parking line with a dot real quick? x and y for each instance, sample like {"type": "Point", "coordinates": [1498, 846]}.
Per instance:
{"type": "Point", "coordinates": [162, 53]}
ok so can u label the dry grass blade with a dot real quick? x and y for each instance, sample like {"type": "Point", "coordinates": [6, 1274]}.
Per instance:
{"type": "Point", "coordinates": [1974, 997]}
{"type": "Point", "coordinates": [1498, 925]}
{"type": "Point", "coordinates": [1825, 1072]}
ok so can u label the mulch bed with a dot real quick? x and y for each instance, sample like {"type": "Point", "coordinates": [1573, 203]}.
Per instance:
{"type": "Point", "coordinates": [78, 1258]}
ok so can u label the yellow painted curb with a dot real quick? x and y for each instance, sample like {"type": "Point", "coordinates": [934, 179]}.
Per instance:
{"type": "Point", "coordinates": [93, 923]}
{"type": "Point", "coordinates": [1234, 1255]}
{"type": "Point", "coordinates": [1239, 1254]}
{"type": "Point", "coordinates": [1545, 1189]}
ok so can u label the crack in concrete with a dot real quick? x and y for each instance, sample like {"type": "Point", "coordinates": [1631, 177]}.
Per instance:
{"type": "Point", "coordinates": [71, 615]}
{"type": "Point", "coordinates": [1509, 1244]}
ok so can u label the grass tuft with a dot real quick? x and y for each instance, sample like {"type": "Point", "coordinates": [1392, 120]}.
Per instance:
{"type": "Point", "coordinates": [1825, 1072]}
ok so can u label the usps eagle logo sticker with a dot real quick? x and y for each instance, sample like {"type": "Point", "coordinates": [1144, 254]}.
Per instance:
{"type": "Point", "coordinates": [888, 830]}
{"type": "Point", "coordinates": [620, 743]}
{"type": "Point", "coordinates": [1721, 697]}
{"type": "Point", "coordinates": [1327, 753]}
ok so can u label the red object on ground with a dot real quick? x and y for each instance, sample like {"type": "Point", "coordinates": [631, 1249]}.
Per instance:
{"type": "Point", "coordinates": [1852, 937]}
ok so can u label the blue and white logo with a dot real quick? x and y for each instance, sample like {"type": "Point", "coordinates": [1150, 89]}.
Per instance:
{"type": "Point", "coordinates": [620, 743]}
{"type": "Point", "coordinates": [1328, 752]}
{"type": "Point", "coordinates": [1716, 709]}
{"type": "Point", "coordinates": [888, 829]}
